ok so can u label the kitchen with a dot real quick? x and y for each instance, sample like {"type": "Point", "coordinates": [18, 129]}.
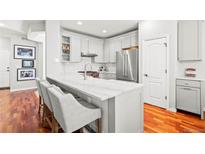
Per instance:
{"type": "Point", "coordinates": [105, 62]}
{"type": "Point", "coordinates": [87, 55]}
{"type": "Point", "coordinates": [102, 76]}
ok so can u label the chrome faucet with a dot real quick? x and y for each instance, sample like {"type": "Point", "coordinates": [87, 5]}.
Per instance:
{"type": "Point", "coordinates": [85, 70]}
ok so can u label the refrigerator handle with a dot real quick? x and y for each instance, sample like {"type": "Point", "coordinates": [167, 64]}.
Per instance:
{"type": "Point", "coordinates": [126, 65]}
{"type": "Point", "coordinates": [123, 64]}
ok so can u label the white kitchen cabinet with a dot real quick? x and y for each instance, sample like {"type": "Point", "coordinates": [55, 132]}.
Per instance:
{"type": "Point", "coordinates": [126, 41]}
{"type": "Point", "coordinates": [85, 45]}
{"type": "Point", "coordinates": [188, 40]}
{"type": "Point", "coordinates": [134, 39]}
{"type": "Point", "coordinates": [106, 51]}
{"type": "Point", "coordinates": [105, 75]}
{"type": "Point", "coordinates": [188, 99]}
{"type": "Point", "coordinates": [189, 95]}
{"type": "Point", "coordinates": [96, 46]}
{"type": "Point", "coordinates": [115, 45]}
{"type": "Point", "coordinates": [75, 51]}
{"type": "Point", "coordinates": [99, 51]}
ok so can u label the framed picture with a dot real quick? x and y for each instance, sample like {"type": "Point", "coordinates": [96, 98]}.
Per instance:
{"type": "Point", "coordinates": [24, 52]}
{"type": "Point", "coordinates": [27, 63]}
{"type": "Point", "coordinates": [24, 74]}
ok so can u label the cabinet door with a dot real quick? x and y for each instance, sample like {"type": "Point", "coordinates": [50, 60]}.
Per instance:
{"type": "Point", "coordinates": [188, 40]}
{"type": "Point", "coordinates": [99, 51]}
{"type": "Point", "coordinates": [115, 45]}
{"type": "Point", "coordinates": [188, 99]}
{"type": "Point", "coordinates": [96, 46]}
{"type": "Point", "coordinates": [126, 42]}
{"type": "Point", "coordinates": [106, 51]}
{"type": "Point", "coordinates": [75, 55]}
{"type": "Point", "coordinates": [85, 45]}
{"type": "Point", "coordinates": [134, 40]}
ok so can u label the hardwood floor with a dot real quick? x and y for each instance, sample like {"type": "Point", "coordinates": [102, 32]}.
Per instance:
{"type": "Point", "coordinates": [158, 120]}
{"type": "Point", "coordinates": [19, 113]}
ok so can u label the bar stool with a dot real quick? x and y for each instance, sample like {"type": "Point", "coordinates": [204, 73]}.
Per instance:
{"type": "Point", "coordinates": [47, 109]}
{"type": "Point", "coordinates": [70, 114]}
{"type": "Point", "coordinates": [38, 80]}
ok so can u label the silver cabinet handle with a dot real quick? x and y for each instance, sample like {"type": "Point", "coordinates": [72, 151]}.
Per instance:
{"type": "Point", "coordinates": [187, 88]}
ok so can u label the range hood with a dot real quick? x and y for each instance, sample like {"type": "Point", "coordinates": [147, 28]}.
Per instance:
{"type": "Point", "coordinates": [88, 54]}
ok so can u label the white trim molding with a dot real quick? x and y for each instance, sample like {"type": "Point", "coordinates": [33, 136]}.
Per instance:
{"type": "Point", "coordinates": [23, 89]}
{"type": "Point", "coordinates": [172, 109]}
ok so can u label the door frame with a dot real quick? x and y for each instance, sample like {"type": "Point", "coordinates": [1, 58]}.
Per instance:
{"type": "Point", "coordinates": [10, 58]}
{"type": "Point", "coordinates": [154, 37]}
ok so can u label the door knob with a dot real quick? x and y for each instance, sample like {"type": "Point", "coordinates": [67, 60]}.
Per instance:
{"type": "Point", "coordinates": [146, 75]}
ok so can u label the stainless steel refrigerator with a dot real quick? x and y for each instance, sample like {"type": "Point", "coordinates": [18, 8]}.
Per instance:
{"type": "Point", "coordinates": [127, 65]}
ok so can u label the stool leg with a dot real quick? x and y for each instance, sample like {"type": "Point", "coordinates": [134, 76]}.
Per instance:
{"type": "Point", "coordinates": [99, 125]}
{"type": "Point", "coordinates": [39, 108]}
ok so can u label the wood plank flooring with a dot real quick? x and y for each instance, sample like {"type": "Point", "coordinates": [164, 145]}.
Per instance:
{"type": "Point", "coordinates": [158, 120]}
{"type": "Point", "coordinates": [19, 113]}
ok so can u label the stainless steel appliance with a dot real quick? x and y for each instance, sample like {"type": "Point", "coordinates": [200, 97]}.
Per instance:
{"type": "Point", "coordinates": [127, 65]}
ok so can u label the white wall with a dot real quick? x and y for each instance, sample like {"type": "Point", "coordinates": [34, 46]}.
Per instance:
{"type": "Point", "coordinates": [39, 37]}
{"type": "Point", "coordinates": [152, 29]}
{"type": "Point", "coordinates": [17, 63]}
{"type": "Point", "coordinates": [53, 38]}
{"type": "Point", "coordinates": [199, 65]}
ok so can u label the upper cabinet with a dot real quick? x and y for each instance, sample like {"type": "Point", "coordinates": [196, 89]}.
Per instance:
{"type": "Point", "coordinates": [189, 40]}
{"type": "Point", "coordinates": [85, 45]}
{"type": "Point", "coordinates": [73, 44]}
{"type": "Point", "coordinates": [75, 54]}
{"type": "Point", "coordinates": [126, 41]}
{"type": "Point", "coordinates": [114, 46]}
{"type": "Point", "coordinates": [134, 39]}
{"type": "Point", "coordinates": [71, 48]}
{"type": "Point", "coordinates": [96, 46]}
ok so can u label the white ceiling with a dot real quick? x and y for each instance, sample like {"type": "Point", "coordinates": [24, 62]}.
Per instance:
{"type": "Point", "coordinates": [95, 27]}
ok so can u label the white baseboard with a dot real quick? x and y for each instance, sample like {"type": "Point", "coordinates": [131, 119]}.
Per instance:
{"type": "Point", "coordinates": [22, 89]}
{"type": "Point", "coordinates": [172, 109]}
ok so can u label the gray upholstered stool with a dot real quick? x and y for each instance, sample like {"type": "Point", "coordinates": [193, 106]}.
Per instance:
{"type": "Point", "coordinates": [70, 114]}
{"type": "Point", "coordinates": [47, 108]}
{"type": "Point", "coordinates": [40, 94]}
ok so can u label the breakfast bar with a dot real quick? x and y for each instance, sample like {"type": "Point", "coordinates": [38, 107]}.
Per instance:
{"type": "Point", "coordinates": [120, 101]}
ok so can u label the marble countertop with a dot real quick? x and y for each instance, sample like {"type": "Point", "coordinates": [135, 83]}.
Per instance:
{"type": "Point", "coordinates": [106, 72]}
{"type": "Point", "coordinates": [99, 88]}
{"type": "Point", "coordinates": [191, 78]}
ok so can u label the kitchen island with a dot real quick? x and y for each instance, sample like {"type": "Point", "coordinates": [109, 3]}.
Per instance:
{"type": "Point", "coordinates": [121, 102]}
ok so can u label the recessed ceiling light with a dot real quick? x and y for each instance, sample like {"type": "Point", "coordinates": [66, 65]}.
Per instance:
{"type": "Point", "coordinates": [2, 25]}
{"type": "Point", "coordinates": [104, 31]}
{"type": "Point", "coordinates": [79, 23]}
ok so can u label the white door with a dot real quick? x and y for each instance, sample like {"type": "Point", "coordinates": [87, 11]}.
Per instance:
{"type": "Point", "coordinates": [155, 72]}
{"type": "Point", "coordinates": [4, 62]}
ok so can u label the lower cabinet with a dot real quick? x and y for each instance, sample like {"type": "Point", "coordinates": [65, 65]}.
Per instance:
{"type": "Point", "coordinates": [188, 95]}
{"type": "Point", "coordinates": [188, 99]}
{"type": "Point", "coordinates": [107, 76]}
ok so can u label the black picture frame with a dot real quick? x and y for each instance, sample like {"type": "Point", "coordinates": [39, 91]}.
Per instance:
{"type": "Point", "coordinates": [19, 78]}
{"type": "Point", "coordinates": [25, 60]}
{"type": "Point", "coordinates": [31, 49]}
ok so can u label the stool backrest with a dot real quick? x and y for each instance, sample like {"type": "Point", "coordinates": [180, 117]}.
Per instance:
{"type": "Point", "coordinates": [44, 88]}
{"type": "Point", "coordinates": [55, 96]}
{"type": "Point", "coordinates": [38, 86]}
{"type": "Point", "coordinates": [66, 108]}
